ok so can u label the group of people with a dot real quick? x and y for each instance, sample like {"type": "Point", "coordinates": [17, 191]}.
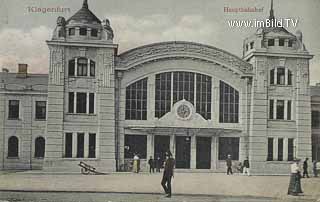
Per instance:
{"type": "Point", "coordinates": [244, 167]}
{"type": "Point", "coordinates": [155, 164]}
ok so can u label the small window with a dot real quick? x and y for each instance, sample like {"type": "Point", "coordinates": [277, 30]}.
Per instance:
{"type": "Point", "coordinates": [71, 67]}
{"type": "Point", "coordinates": [91, 103]}
{"type": "Point", "coordinates": [83, 31]}
{"type": "Point", "coordinates": [280, 149]}
{"type": "Point", "coordinates": [39, 147]}
{"type": "Point", "coordinates": [289, 77]}
{"type": "Point", "coordinates": [271, 105]}
{"type": "Point", "coordinates": [80, 145]}
{"type": "Point", "coordinates": [13, 109]}
{"type": "Point", "coordinates": [71, 102]}
{"type": "Point", "coordinates": [289, 110]}
{"type": "Point", "coordinates": [72, 31]}
{"type": "Point", "coordinates": [68, 145]}
{"type": "Point", "coordinates": [13, 147]}
{"type": "Point", "coordinates": [81, 102]}
{"type": "Point", "coordinates": [92, 68]}
{"type": "Point", "coordinates": [281, 42]}
{"type": "Point", "coordinates": [272, 76]}
{"type": "Point", "coordinates": [290, 43]}
{"type": "Point", "coordinates": [290, 149]}
{"type": "Point", "coordinates": [280, 76]}
{"type": "Point", "coordinates": [271, 42]}
{"type": "Point", "coordinates": [270, 149]}
{"type": "Point", "coordinates": [251, 45]}
{"type": "Point", "coordinates": [82, 67]}
{"type": "Point", "coordinates": [280, 109]}
{"type": "Point", "coordinates": [41, 110]}
{"type": "Point", "coordinates": [94, 32]}
{"type": "Point", "coordinates": [92, 145]}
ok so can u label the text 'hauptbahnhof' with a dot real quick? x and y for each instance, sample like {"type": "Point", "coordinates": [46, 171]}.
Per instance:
{"type": "Point", "coordinates": [200, 102]}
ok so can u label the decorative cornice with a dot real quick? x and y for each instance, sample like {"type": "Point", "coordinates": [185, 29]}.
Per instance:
{"type": "Point", "coordinates": [181, 49]}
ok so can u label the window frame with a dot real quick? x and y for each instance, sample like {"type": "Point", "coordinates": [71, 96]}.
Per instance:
{"type": "Point", "coordinates": [39, 154]}
{"type": "Point", "coordinates": [43, 117]}
{"type": "Point", "coordinates": [13, 153]}
{"type": "Point", "coordinates": [14, 114]}
{"type": "Point", "coordinates": [83, 31]}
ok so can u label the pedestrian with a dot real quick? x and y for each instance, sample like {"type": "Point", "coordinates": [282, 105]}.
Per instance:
{"type": "Point", "coordinates": [151, 164]}
{"type": "Point", "coordinates": [158, 164]}
{"type": "Point", "coordinates": [135, 163]}
{"type": "Point", "coordinates": [229, 165]}
{"type": "Point", "coordinates": [246, 167]}
{"type": "Point", "coordinates": [295, 179]}
{"type": "Point", "coordinates": [314, 168]}
{"type": "Point", "coordinates": [168, 174]}
{"type": "Point", "coordinates": [305, 168]}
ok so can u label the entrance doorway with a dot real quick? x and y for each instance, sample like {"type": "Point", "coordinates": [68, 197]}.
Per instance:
{"type": "Point", "coordinates": [183, 150]}
{"type": "Point", "coordinates": [161, 145]}
{"type": "Point", "coordinates": [203, 153]}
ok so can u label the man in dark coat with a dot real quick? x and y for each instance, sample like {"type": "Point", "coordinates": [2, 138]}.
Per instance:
{"type": "Point", "coordinates": [168, 174]}
{"type": "Point", "coordinates": [158, 164]}
{"type": "Point", "coordinates": [151, 164]}
{"type": "Point", "coordinates": [246, 166]}
{"type": "Point", "coordinates": [305, 168]}
{"type": "Point", "coordinates": [229, 165]}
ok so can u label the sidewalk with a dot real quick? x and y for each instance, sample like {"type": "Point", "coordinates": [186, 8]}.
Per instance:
{"type": "Point", "coordinates": [217, 184]}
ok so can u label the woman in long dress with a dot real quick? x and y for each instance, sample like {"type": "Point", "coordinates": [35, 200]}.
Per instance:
{"type": "Point", "coordinates": [295, 179]}
{"type": "Point", "coordinates": [135, 163]}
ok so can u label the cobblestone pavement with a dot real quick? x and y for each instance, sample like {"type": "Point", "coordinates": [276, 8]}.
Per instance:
{"type": "Point", "coordinates": [122, 197]}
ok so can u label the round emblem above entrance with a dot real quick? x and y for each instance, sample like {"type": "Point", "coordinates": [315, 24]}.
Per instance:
{"type": "Point", "coordinates": [184, 111]}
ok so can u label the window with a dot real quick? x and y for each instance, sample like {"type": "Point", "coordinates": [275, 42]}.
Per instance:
{"type": "Point", "coordinates": [83, 31]}
{"type": "Point", "coordinates": [41, 110]}
{"type": "Point", "coordinates": [271, 105]}
{"type": "Point", "coordinates": [280, 109]}
{"type": "Point", "coordinates": [71, 102]}
{"type": "Point", "coordinates": [228, 145]}
{"type": "Point", "coordinates": [92, 145]}
{"type": "Point", "coordinates": [280, 75]}
{"type": "Point", "coordinates": [82, 67]}
{"type": "Point", "coordinates": [163, 94]}
{"type": "Point", "coordinates": [39, 147]}
{"type": "Point", "coordinates": [72, 31]}
{"type": "Point", "coordinates": [290, 149]}
{"type": "Point", "coordinates": [94, 32]}
{"type": "Point", "coordinates": [135, 144]}
{"type": "Point", "coordinates": [136, 100]}
{"type": "Point", "coordinates": [68, 145]}
{"type": "Point", "coordinates": [80, 145]}
{"type": "Point", "coordinates": [251, 45]}
{"type": "Point", "coordinates": [13, 147]}
{"type": "Point", "coordinates": [280, 149]}
{"type": "Point", "coordinates": [270, 149]}
{"type": "Point", "coordinates": [289, 77]}
{"type": "Point", "coordinates": [71, 67]}
{"type": "Point", "coordinates": [281, 42]}
{"type": "Point", "coordinates": [92, 68]}
{"type": "Point", "coordinates": [315, 119]}
{"type": "Point", "coordinates": [183, 86]}
{"type": "Point", "coordinates": [272, 76]}
{"type": "Point", "coordinates": [271, 42]}
{"type": "Point", "coordinates": [229, 104]}
{"type": "Point", "coordinates": [290, 43]}
{"type": "Point", "coordinates": [13, 109]}
{"type": "Point", "coordinates": [81, 102]}
{"type": "Point", "coordinates": [289, 110]}
{"type": "Point", "coordinates": [91, 103]}
{"type": "Point", "coordinates": [203, 95]}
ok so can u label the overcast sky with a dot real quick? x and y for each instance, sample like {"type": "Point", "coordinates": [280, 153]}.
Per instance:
{"type": "Point", "coordinates": [138, 22]}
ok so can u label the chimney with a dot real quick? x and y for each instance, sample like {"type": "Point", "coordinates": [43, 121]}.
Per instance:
{"type": "Point", "coordinates": [22, 70]}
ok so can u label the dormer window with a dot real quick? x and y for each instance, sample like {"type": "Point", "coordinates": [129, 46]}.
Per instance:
{"type": "Point", "coordinates": [290, 43]}
{"type": "Point", "coordinates": [72, 31]}
{"type": "Point", "coordinates": [281, 42]}
{"type": "Point", "coordinates": [251, 45]}
{"type": "Point", "coordinates": [94, 32]}
{"type": "Point", "coordinates": [83, 31]}
{"type": "Point", "coordinates": [81, 67]}
{"type": "Point", "coordinates": [271, 42]}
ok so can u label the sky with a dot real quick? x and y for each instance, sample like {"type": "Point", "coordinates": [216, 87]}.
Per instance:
{"type": "Point", "coordinates": [23, 32]}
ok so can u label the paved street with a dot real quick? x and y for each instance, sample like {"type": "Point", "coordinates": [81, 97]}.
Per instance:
{"type": "Point", "coordinates": [126, 187]}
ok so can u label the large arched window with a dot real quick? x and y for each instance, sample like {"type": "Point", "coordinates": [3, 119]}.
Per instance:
{"type": "Point", "coordinates": [136, 100]}
{"type": "Point", "coordinates": [229, 104]}
{"type": "Point", "coordinates": [39, 147]}
{"type": "Point", "coordinates": [13, 147]}
{"type": "Point", "coordinates": [193, 87]}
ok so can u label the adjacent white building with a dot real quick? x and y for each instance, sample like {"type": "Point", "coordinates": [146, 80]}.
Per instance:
{"type": "Point", "coordinates": [198, 101]}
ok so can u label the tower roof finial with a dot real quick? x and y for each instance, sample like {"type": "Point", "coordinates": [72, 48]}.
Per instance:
{"type": "Point", "coordinates": [85, 4]}
{"type": "Point", "coordinates": [271, 17]}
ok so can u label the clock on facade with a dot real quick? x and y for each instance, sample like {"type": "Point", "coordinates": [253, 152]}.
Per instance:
{"type": "Point", "coordinates": [184, 111]}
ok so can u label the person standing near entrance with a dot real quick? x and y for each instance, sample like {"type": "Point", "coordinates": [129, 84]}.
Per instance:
{"type": "Point", "coordinates": [168, 174]}
{"type": "Point", "coordinates": [305, 168]}
{"type": "Point", "coordinates": [136, 163]}
{"type": "Point", "coordinates": [158, 164]}
{"type": "Point", "coordinates": [246, 167]}
{"type": "Point", "coordinates": [151, 164]}
{"type": "Point", "coordinates": [229, 165]}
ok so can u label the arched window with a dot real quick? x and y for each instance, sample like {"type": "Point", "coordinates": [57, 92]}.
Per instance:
{"type": "Point", "coordinates": [136, 100]}
{"type": "Point", "coordinates": [229, 104]}
{"type": "Point", "coordinates": [39, 147]}
{"type": "Point", "coordinates": [13, 147]}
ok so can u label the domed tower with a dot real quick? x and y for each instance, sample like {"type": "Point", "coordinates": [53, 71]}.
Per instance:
{"type": "Point", "coordinates": [280, 126]}
{"type": "Point", "coordinates": [81, 93]}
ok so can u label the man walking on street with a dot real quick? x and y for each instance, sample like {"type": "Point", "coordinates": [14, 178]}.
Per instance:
{"type": "Point", "coordinates": [246, 167]}
{"type": "Point", "coordinates": [305, 168]}
{"type": "Point", "coordinates": [229, 165]}
{"type": "Point", "coordinates": [168, 174]}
